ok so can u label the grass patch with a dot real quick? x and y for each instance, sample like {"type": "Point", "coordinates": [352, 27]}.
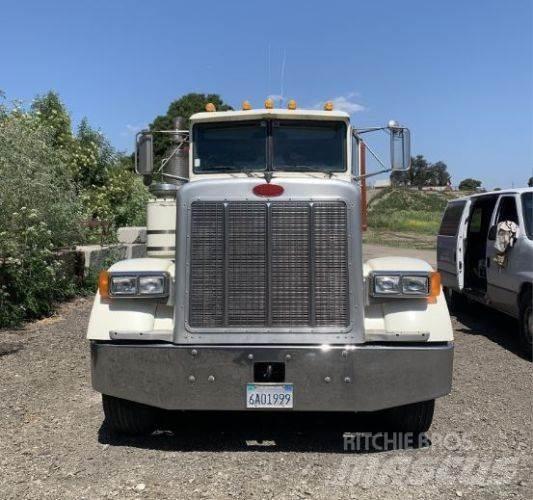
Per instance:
{"type": "Point", "coordinates": [406, 217]}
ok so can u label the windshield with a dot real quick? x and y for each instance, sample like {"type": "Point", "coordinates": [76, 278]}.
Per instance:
{"type": "Point", "coordinates": [282, 145]}
{"type": "Point", "coordinates": [527, 207]}
{"type": "Point", "coordinates": [230, 147]}
{"type": "Point", "coordinates": [304, 146]}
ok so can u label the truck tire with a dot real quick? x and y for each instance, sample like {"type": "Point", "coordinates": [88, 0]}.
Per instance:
{"type": "Point", "coordinates": [415, 418]}
{"type": "Point", "coordinates": [526, 323]}
{"type": "Point", "coordinates": [128, 417]}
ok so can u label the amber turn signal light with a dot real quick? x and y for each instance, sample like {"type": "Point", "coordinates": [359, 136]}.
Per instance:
{"type": "Point", "coordinates": [434, 287]}
{"type": "Point", "coordinates": [103, 284]}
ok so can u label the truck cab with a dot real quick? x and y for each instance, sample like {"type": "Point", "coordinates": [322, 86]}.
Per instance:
{"type": "Point", "coordinates": [485, 253]}
{"type": "Point", "coordinates": [256, 296]}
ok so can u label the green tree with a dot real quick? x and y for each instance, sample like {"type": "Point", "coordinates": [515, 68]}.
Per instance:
{"type": "Point", "coordinates": [50, 112]}
{"type": "Point", "coordinates": [530, 182]}
{"type": "Point", "coordinates": [419, 173]}
{"type": "Point", "coordinates": [184, 107]}
{"type": "Point", "coordinates": [469, 184]}
{"type": "Point", "coordinates": [92, 157]}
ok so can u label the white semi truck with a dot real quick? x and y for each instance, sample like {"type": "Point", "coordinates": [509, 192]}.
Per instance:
{"type": "Point", "coordinates": [254, 294]}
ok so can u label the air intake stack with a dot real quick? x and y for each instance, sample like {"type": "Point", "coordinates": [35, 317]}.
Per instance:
{"type": "Point", "coordinates": [161, 209]}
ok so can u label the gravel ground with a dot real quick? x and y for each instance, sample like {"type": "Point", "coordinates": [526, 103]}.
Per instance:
{"type": "Point", "coordinates": [54, 445]}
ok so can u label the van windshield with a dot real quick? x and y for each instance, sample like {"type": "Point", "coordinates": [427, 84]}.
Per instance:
{"type": "Point", "coordinates": [527, 207]}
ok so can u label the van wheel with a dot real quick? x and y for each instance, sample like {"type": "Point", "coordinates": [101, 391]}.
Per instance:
{"type": "Point", "coordinates": [526, 323]}
{"type": "Point", "coordinates": [415, 418]}
{"type": "Point", "coordinates": [128, 417]}
{"type": "Point", "coordinates": [456, 301]}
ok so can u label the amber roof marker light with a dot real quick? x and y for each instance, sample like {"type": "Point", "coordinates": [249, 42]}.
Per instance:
{"type": "Point", "coordinates": [210, 107]}
{"type": "Point", "coordinates": [291, 105]}
{"type": "Point", "coordinates": [246, 106]}
{"type": "Point", "coordinates": [328, 106]}
{"type": "Point", "coordinates": [269, 103]}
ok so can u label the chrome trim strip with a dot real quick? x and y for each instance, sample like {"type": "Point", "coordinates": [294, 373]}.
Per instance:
{"type": "Point", "coordinates": [161, 231]}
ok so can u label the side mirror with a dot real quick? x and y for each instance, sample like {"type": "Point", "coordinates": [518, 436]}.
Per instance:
{"type": "Point", "coordinates": [400, 147]}
{"type": "Point", "coordinates": [492, 233]}
{"type": "Point", "coordinates": [144, 154]}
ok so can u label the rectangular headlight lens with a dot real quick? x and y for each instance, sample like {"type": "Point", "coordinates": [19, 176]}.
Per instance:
{"type": "Point", "coordinates": [151, 285]}
{"type": "Point", "coordinates": [386, 285]}
{"type": "Point", "coordinates": [415, 285]}
{"type": "Point", "coordinates": [123, 285]}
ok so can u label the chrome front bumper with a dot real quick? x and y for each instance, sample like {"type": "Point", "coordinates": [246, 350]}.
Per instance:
{"type": "Point", "coordinates": [333, 378]}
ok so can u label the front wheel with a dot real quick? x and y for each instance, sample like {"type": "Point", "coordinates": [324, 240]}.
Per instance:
{"type": "Point", "coordinates": [415, 418]}
{"type": "Point", "coordinates": [526, 323]}
{"type": "Point", "coordinates": [128, 417]}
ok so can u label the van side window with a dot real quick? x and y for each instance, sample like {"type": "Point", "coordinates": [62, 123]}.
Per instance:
{"type": "Point", "coordinates": [451, 219]}
{"type": "Point", "coordinates": [507, 210]}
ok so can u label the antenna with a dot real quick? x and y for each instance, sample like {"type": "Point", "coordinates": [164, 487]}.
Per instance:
{"type": "Point", "coordinates": [269, 81]}
{"type": "Point", "coordinates": [282, 95]}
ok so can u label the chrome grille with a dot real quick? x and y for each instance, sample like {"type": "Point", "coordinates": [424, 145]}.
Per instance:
{"type": "Point", "coordinates": [258, 264]}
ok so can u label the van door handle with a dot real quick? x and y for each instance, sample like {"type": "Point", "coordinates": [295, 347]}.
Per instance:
{"type": "Point", "coordinates": [488, 262]}
{"type": "Point", "coordinates": [455, 257]}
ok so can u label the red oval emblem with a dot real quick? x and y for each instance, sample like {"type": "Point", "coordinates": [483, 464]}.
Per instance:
{"type": "Point", "coordinates": [268, 190]}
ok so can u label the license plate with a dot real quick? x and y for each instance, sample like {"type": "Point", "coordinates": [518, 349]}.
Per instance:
{"type": "Point", "coordinates": [269, 396]}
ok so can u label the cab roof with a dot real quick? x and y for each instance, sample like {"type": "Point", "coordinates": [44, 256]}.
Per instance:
{"type": "Point", "coordinates": [258, 114]}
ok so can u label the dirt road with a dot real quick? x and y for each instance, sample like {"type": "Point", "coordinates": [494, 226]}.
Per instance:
{"type": "Point", "coordinates": [53, 443]}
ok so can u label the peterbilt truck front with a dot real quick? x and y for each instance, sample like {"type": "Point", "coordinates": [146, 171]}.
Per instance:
{"type": "Point", "coordinates": [254, 294]}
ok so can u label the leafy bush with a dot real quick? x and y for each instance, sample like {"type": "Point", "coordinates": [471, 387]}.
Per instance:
{"type": "Point", "coordinates": [58, 189]}
{"type": "Point", "coordinates": [39, 212]}
{"type": "Point", "coordinates": [31, 278]}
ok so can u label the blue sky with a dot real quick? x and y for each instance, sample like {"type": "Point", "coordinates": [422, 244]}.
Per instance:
{"type": "Point", "coordinates": [458, 73]}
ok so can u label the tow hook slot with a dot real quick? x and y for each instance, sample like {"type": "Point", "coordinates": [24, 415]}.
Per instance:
{"type": "Point", "coordinates": [269, 372]}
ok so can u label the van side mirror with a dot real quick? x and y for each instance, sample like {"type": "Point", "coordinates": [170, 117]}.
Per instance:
{"type": "Point", "coordinates": [492, 233]}
{"type": "Point", "coordinates": [144, 153]}
{"type": "Point", "coordinates": [400, 147]}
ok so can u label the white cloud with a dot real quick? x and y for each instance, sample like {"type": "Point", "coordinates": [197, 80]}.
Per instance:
{"type": "Point", "coordinates": [345, 103]}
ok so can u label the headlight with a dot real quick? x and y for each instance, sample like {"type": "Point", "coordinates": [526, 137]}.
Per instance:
{"type": "Point", "coordinates": [133, 285]}
{"type": "Point", "coordinates": [151, 285]}
{"type": "Point", "coordinates": [409, 285]}
{"type": "Point", "coordinates": [386, 285]}
{"type": "Point", "coordinates": [415, 285]}
{"type": "Point", "coordinates": [123, 285]}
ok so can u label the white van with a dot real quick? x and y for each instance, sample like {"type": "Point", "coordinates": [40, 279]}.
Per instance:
{"type": "Point", "coordinates": [485, 253]}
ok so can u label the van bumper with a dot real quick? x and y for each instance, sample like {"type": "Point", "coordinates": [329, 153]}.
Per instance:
{"type": "Point", "coordinates": [364, 377]}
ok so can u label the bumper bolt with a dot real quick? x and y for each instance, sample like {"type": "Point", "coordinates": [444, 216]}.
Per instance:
{"type": "Point", "coordinates": [211, 378]}
{"type": "Point", "coordinates": [288, 357]}
{"type": "Point", "coordinates": [250, 356]}
{"type": "Point", "coordinates": [194, 352]}
{"type": "Point", "coordinates": [347, 380]}
{"type": "Point", "coordinates": [327, 380]}
{"type": "Point", "coordinates": [192, 378]}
